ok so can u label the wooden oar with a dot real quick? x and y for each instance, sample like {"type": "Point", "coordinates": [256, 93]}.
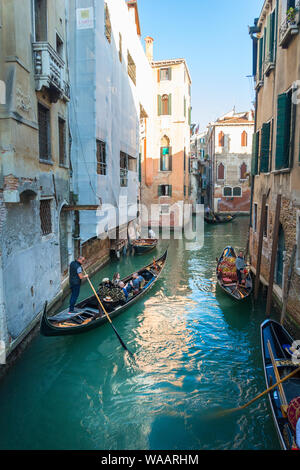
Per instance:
{"type": "Point", "coordinates": [108, 317]}
{"type": "Point", "coordinates": [224, 412]}
{"type": "Point", "coordinates": [280, 387]}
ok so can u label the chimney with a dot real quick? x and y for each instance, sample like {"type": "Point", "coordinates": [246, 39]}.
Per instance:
{"type": "Point", "coordinates": [149, 48]}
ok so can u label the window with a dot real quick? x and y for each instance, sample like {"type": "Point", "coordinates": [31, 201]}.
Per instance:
{"type": "Point", "coordinates": [123, 169]}
{"type": "Point", "coordinates": [120, 47]}
{"type": "Point", "coordinates": [164, 103]}
{"type": "Point", "coordinates": [265, 147]}
{"type": "Point", "coordinates": [244, 142]}
{"type": "Point", "coordinates": [44, 133]}
{"type": "Point", "coordinates": [221, 172]}
{"type": "Point", "coordinates": [107, 23]}
{"type": "Point", "coordinates": [165, 159]}
{"type": "Point", "coordinates": [165, 74]}
{"type": "Point", "coordinates": [243, 171]}
{"type": "Point", "coordinates": [101, 158]}
{"type": "Point", "coordinates": [62, 141]}
{"type": "Point", "coordinates": [165, 190]}
{"type": "Point", "coordinates": [227, 191]}
{"type": "Point", "coordinates": [254, 217]}
{"type": "Point", "coordinates": [285, 122]}
{"type": "Point", "coordinates": [266, 222]}
{"type": "Point", "coordinates": [40, 21]}
{"type": "Point", "coordinates": [59, 45]}
{"type": "Point", "coordinates": [45, 216]}
{"type": "Point", "coordinates": [254, 160]}
{"type": "Point", "coordinates": [131, 68]}
{"type": "Point", "coordinates": [237, 191]}
{"type": "Point", "coordinates": [164, 209]}
{"type": "Point", "coordinates": [221, 139]}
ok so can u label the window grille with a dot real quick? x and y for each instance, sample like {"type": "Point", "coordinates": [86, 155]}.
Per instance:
{"type": "Point", "coordinates": [101, 158]}
{"type": "Point", "coordinates": [62, 141]}
{"type": "Point", "coordinates": [44, 132]}
{"type": "Point", "coordinates": [45, 216]}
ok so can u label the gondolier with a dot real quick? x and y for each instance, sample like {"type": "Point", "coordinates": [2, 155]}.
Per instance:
{"type": "Point", "coordinates": [76, 275]}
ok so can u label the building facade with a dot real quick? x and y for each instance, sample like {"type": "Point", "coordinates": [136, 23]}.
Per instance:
{"type": "Point", "coordinates": [111, 95]}
{"type": "Point", "coordinates": [199, 168]}
{"type": "Point", "coordinates": [165, 165]}
{"type": "Point", "coordinates": [229, 146]}
{"type": "Point", "coordinates": [36, 235]}
{"type": "Point", "coordinates": [275, 169]}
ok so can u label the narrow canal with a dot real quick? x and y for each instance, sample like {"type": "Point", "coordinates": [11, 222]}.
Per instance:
{"type": "Point", "coordinates": [196, 351]}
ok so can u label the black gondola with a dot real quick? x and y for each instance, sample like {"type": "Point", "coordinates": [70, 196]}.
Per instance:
{"type": "Point", "coordinates": [143, 245]}
{"type": "Point", "coordinates": [227, 278]}
{"type": "Point", "coordinates": [88, 315]}
{"type": "Point", "coordinates": [276, 345]}
{"type": "Point", "coordinates": [219, 220]}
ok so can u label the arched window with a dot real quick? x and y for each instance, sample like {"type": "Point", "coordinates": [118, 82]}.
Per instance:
{"type": "Point", "coordinates": [227, 191]}
{"type": "Point", "coordinates": [243, 171]}
{"type": "Point", "coordinates": [221, 172]}
{"type": "Point", "coordinates": [165, 104]}
{"type": "Point", "coordinates": [221, 139]}
{"type": "Point", "coordinates": [165, 154]}
{"type": "Point", "coordinates": [237, 191]}
{"type": "Point", "coordinates": [244, 139]}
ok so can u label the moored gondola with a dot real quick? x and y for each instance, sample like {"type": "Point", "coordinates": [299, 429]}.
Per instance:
{"type": "Point", "coordinates": [280, 359]}
{"type": "Point", "coordinates": [220, 220]}
{"type": "Point", "coordinates": [144, 245]}
{"type": "Point", "coordinates": [88, 315]}
{"type": "Point", "coordinates": [227, 276]}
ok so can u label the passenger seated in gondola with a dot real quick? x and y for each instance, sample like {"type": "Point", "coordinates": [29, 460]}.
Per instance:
{"type": "Point", "coordinates": [116, 279]}
{"type": "Point", "coordinates": [135, 284]}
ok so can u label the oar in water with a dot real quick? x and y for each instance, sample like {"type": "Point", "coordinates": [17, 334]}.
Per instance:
{"type": "Point", "coordinates": [225, 412]}
{"type": "Point", "coordinates": [108, 317]}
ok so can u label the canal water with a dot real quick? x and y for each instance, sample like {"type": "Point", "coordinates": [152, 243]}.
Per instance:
{"type": "Point", "coordinates": [195, 352]}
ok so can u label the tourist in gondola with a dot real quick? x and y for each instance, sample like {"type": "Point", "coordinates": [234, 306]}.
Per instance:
{"type": "Point", "coordinates": [116, 279]}
{"type": "Point", "coordinates": [76, 275]}
{"type": "Point", "coordinates": [240, 266]}
{"type": "Point", "coordinates": [137, 282]}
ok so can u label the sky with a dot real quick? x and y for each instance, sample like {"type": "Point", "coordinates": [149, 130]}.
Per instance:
{"type": "Point", "coordinates": [213, 38]}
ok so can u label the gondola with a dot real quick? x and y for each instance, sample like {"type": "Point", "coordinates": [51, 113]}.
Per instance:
{"type": "Point", "coordinates": [227, 277]}
{"type": "Point", "coordinates": [143, 245]}
{"type": "Point", "coordinates": [88, 315]}
{"type": "Point", "coordinates": [278, 355]}
{"type": "Point", "coordinates": [221, 220]}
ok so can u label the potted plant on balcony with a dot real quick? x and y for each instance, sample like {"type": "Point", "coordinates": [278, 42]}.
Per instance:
{"type": "Point", "coordinates": [291, 15]}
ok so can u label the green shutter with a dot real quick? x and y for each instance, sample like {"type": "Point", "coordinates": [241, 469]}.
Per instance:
{"type": "Point", "coordinates": [254, 161]}
{"type": "Point", "coordinates": [283, 130]}
{"type": "Point", "coordinates": [159, 190]}
{"type": "Point", "coordinates": [268, 36]}
{"type": "Point", "coordinates": [170, 190]}
{"type": "Point", "coordinates": [272, 36]}
{"type": "Point", "coordinates": [261, 43]}
{"type": "Point", "coordinates": [170, 158]}
{"type": "Point", "coordinates": [159, 105]}
{"type": "Point", "coordinates": [170, 73]}
{"type": "Point", "coordinates": [170, 105]}
{"type": "Point", "coordinates": [265, 148]}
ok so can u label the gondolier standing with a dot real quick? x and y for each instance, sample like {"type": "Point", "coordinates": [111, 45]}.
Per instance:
{"type": "Point", "coordinates": [76, 275]}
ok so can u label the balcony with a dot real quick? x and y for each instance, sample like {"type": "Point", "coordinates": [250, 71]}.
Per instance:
{"type": "Point", "coordinates": [290, 25]}
{"type": "Point", "coordinates": [50, 71]}
{"type": "Point", "coordinates": [268, 64]}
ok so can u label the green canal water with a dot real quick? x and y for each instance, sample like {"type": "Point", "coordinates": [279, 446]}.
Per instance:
{"type": "Point", "coordinates": [196, 351]}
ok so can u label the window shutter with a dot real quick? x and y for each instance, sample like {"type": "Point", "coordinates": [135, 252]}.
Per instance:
{"type": "Point", "coordinates": [254, 161]}
{"type": "Point", "coordinates": [170, 158]}
{"type": "Point", "coordinates": [170, 190]}
{"type": "Point", "coordinates": [161, 158]}
{"type": "Point", "coordinates": [265, 148]}
{"type": "Point", "coordinates": [283, 130]}
{"type": "Point", "coordinates": [261, 43]}
{"type": "Point", "coordinates": [254, 64]}
{"type": "Point", "coordinates": [268, 37]}
{"type": "Point", "coordinates": [159, 190]}
{"type": "Point", "coordinates": [170, 105]}
{"type": "Point", "coordinates": [159, 105]}
{"type": "Point", "coordinates": [272, 36]}
{"type": "Point", "coordinates": [170, 73]}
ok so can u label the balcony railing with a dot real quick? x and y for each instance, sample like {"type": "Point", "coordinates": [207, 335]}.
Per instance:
{"type": "Point", "coordinates": [290, 26]}
{"type": "Point", "coordinates": [50, 71]}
